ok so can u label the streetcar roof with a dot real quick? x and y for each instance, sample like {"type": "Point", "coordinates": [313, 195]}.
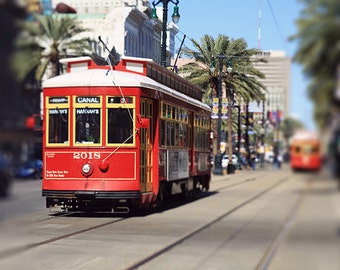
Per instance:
{"type": "Point", "coordinates": [114, 78]}
{"type": "Point", "coordinates": [306, 135]}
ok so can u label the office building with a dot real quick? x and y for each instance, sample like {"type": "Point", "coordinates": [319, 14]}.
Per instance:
{"type": "Point", "coordinates": [277, 81]}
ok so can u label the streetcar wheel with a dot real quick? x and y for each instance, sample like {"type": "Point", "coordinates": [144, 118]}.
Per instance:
{"type": "Point", "coordinates": [160, 196]}
{"type": "Point", "coordinates": [205, 184]}
{"type": "Point", "coordinates": [185, 191]}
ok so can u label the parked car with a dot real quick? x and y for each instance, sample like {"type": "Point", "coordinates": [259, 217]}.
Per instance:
{"type": "Point", "coordinates": [225, 160]}
{"type": "Point", "coordinates": [30, 170]}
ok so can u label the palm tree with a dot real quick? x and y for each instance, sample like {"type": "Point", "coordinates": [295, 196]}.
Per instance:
{"type": "Point", "coordinates": [45, 41]}
{"type": "Point", "coordinates": [288, 127]}
{"type": "Point", "coordinates": [243, 80]}
{"type": "Point", "coordinates": [318, 51]}
{"type": "Point", "coordinates": [244, 76]}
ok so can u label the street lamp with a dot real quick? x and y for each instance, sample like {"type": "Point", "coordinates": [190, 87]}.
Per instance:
{"type": "Point", "coordinates": [175, 18]}
{"type": "Point", "coordinates": [218, 170]}
{"type": "Point", "coordinates": [238, 128]}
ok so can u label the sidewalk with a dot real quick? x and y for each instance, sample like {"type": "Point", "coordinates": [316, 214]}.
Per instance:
{"type": "Point", "coordinates": [265, 167]}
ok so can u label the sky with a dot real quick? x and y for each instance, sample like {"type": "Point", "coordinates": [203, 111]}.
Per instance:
{"type": "Point", "coordinates": [240, 19]}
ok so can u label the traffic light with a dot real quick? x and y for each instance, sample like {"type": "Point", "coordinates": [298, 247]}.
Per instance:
{"type": "Point", "coordinates": [34, 122]}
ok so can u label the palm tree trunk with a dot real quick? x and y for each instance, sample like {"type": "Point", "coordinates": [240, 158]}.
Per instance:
{"type": "Point", "coordinates": [55, 68]}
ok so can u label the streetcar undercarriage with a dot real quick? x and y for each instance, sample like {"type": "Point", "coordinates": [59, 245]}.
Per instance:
{"type": "Point", "coordinates": [122, 201]}
{"type": "Point", "coordinates": [92, 201]}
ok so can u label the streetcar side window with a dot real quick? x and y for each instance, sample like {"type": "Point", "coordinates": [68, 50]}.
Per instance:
{"type": "Point", "coordinates": [162, 132]}
{"type": "Point", "coordinates": [120, 125]}
{"type": "Point", "coordinates": [58, 125]}
{"type": "Point", "coordinates": [175, 126]}
{"type": "Point", "coordinates": [201, 129]}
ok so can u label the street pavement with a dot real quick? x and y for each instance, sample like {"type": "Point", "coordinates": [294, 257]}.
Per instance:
{"type": "Point", "coordinates": [310, 238]}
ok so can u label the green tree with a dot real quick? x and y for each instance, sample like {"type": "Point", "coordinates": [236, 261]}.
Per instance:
{"type": "Point", "coordinates": [242, 82]}
{"type": "Point", "coordinates": [244, 78]}
{"type": "Point", "coordinates": [318, 51]}
{"type": "Point", "coordinates": [45, 41]}
{"type": "Point", "coordinates": [289, 126]}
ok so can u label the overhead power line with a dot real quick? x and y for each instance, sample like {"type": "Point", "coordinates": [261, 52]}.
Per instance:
{"type": "Point", "coordinates": [277, 25]}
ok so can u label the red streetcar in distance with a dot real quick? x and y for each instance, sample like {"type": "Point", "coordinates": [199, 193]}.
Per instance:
{"type": "Point", "coordinates": [123, 137]}
{"type": "Point", "coordinates": [305, 151]}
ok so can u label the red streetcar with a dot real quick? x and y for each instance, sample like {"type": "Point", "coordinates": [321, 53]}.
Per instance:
{"type": "Point", "coordinates": [116, 138]}
{"type": "Point", "coordinates": [305, 151]}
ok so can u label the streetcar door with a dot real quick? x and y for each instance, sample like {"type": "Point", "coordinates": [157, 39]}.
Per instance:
{"type": "Point", "coordinates": [146, 139]}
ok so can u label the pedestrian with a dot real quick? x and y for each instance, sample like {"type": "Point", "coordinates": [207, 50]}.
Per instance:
{"type": "Point", "coordinates": [252, 160]}
{"type": "Point", "coordinates": [275, 161]}
{"type": "Point", "coordinates": [279, 161]}
{"type": "Point", "coordinates": [244, 161]}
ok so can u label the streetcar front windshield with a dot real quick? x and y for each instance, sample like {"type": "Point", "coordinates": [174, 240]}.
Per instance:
{"type": "Point", "coordinates": [87, 125]}
{"type": "Point", "coordinates": [305, 149]}
{"type": "Point", "coordinates": [58, 125]}
{"type": "Point", "coordinates": [78, 120]}
{"type": "Point", "coordinates": [120, 125]}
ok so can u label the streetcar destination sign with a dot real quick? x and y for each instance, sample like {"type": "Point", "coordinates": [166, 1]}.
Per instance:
{"type": "Point", "coordinates": [87, 111]}
{"type": "Point", "coordinates": [58, 100]}
{"type": "Point", "coordinates": [88, 100]}
{"type": "Point", "coordinates": [58, 111]}
{"type": "Point", "coordinates": [121, 100]}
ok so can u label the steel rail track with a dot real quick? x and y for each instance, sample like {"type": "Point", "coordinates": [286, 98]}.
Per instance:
{"type": "Point", "coordinates": [283, 231]}
{"type": "Point", "coordinates": [20, 249]}
{"type": "Point", "coordinates": [17, 250]}
{"type": "Point", "coordinates": [177, 242]}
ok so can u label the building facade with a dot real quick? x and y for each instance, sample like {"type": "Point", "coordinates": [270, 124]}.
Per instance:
{"type": "Point", "coordinates": [277, 81]}
{"type": "Point", "coordinates": [124, 25]}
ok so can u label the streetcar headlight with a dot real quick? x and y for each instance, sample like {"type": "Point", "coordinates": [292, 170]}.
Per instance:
{"type": "Point", "coordinates": [86, 169]}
